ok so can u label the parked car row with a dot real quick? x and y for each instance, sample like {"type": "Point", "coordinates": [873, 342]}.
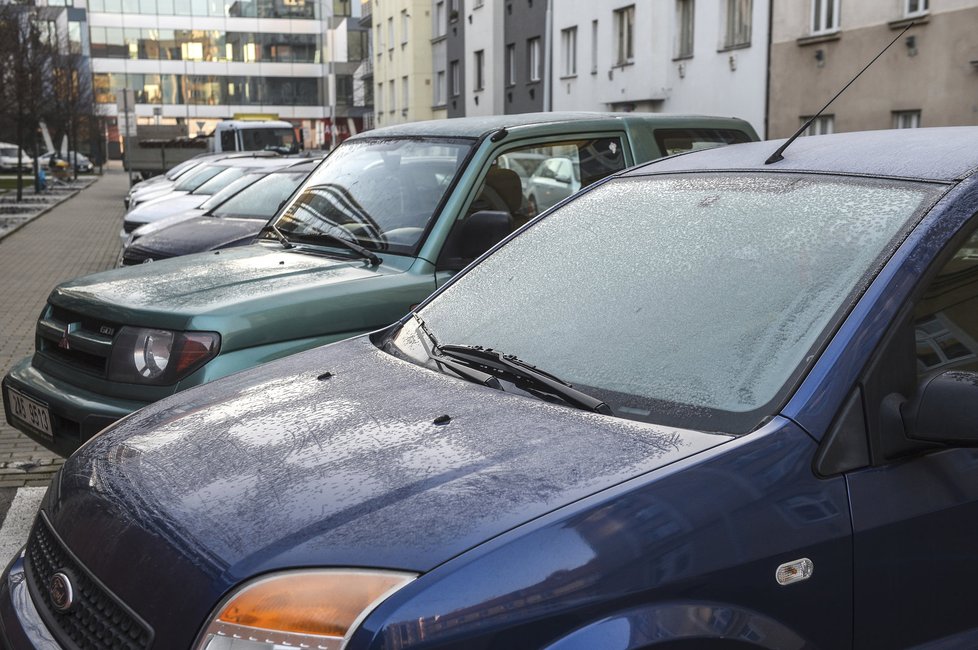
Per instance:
{"type": "Point", "coordinates": [722, 399]}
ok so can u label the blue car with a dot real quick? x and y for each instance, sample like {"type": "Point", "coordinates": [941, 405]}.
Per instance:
{"type": "Point", "coordinates": [707, 403]}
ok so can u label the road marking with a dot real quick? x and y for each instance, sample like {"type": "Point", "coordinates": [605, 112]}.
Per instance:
{"type": "Point", "coordinates": [17, 523]}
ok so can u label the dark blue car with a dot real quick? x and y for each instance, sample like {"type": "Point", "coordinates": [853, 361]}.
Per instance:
{"type": "Point", "coordinates": [707, 403]}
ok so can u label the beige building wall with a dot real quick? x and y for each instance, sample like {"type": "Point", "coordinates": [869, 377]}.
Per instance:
{"type": "Point", "coordinates": [934, 72]}
{"type": "Point", "coordinates": [402, 61]}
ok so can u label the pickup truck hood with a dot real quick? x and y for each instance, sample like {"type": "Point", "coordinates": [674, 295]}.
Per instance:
{"type": "Point", "coordinates": [263, 293]}
{"type": "Point", "coordinates": [283, 467]}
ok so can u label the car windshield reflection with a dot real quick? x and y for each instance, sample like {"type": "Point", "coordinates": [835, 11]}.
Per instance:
{"type": "Point", "coordinates": [382, 193]}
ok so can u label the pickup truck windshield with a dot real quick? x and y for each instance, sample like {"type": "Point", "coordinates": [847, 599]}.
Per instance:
{"type": "Point", "coordinates": [693, 301]}
{"type": "Point", "coordinates": [380, 192]}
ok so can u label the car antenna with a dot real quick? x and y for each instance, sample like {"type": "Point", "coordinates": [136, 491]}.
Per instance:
{"type": "Point", "coordinates": [776, 156]}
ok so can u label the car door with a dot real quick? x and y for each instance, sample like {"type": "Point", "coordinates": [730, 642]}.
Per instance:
{"type": "Point", "coordinates": [915, 511]}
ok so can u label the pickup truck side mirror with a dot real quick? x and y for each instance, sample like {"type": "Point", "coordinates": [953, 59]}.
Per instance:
{"type": "Point", "coordinates": [944, 409]}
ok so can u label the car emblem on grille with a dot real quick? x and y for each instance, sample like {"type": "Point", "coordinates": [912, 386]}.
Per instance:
{"type": "Point", "coordinates": [105, 329]}
{"type": "Point", "coordinates": [69, 328]}
{"type": "Point", "coordinates": [62, 594]}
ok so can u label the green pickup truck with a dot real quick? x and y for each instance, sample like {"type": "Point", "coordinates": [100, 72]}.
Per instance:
{"type": "Point", "coordinates": [388, 217]}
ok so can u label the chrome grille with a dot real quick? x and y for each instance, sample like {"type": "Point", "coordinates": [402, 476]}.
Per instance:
{"type": "Point", "coordinates": [98, 619]}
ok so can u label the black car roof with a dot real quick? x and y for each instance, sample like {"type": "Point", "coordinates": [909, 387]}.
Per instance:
{"type": "Point", "coordinates": [939, 154]}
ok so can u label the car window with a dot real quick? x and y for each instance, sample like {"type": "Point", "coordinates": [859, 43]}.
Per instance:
{"type": "Point", "coordinates": [672, 141]}
{"type": "Point", "coordinates": [381, 191]}
{"type": "Point", "coordinates": [263, 198]}
{"type": "Point", "coordinates": [693, 301]}
{"type": "Point", "coordinates": [230, 190]}
{"type": "Point", "coordinates": [220, 181]}
{"type": "Point", "coordinates": [575, 164]}
{"type": "Point", "coordinates": [946, 318]}
{"type": "Point", "coordinates": [197, 177]}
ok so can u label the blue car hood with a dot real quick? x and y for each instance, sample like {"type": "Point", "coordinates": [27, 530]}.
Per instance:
{"type": "Point", "coordinates": [282, 467]}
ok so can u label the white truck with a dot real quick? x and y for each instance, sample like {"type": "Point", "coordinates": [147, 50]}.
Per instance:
{"type": "Point", "coordinates": [155, 149]}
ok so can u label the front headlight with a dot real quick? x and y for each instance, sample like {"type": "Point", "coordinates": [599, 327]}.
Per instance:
{"type": "Point", "coordinates": [308, 609]}
{"type": "Point", "coordinates": [159, 357]}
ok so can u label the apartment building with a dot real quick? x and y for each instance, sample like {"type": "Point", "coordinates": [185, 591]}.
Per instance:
{"type": "Point", "coordinates": [439, 59]}
{"type": "Point", "coordinates": [198, 61]}
{"type": "Point", "coordinates": [526, 57]}
{"type": "Point", "coordinates": [402, 61]}
{"type": "Point", "coordinates": [929, 77]}
{"type": "Point", "coordinates": [683, 56]}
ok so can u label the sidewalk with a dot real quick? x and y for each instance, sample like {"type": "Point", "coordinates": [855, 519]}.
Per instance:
{"type": "Point", "coordinates": [76, 237]}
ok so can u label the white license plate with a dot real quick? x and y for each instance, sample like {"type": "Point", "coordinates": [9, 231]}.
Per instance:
{"type": "Point", "coordinates": [30, 412]}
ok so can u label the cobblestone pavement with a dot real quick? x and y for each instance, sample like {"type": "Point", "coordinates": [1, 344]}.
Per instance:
{"type": "Point", "coordinates": [77, 237]}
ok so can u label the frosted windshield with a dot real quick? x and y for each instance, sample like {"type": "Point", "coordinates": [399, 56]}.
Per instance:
{"type": "Point", "coordinates": [686, 300]}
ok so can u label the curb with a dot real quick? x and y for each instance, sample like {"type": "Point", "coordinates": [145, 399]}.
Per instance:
{"type": "Point", "coordinates": [45, 210]}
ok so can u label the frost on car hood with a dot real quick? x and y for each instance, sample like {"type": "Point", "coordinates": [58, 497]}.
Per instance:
{"type": "Point", "coordinates": [281, 467]}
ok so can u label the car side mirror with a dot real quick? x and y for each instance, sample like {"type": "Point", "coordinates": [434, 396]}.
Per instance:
{"type": "Point", "coordinates": [479, 232]}
{"type": "Point", "coordinates": [944, 409]}
{"type": "Point", "coordinates": [563, 177]}
{"type": "Point", "coordinates": [483, 230]}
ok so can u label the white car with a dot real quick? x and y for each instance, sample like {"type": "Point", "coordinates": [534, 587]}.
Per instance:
{"type": "Point", "coordinates": [8, 158]}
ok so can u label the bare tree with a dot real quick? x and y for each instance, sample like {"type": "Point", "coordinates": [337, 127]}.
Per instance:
{"type": "Point", "coordinates": [27, 41]}
{"type": "Point", "coordinates": [72, 109]}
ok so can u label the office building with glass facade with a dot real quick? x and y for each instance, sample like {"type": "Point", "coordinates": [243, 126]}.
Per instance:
{"type": "Point", "coordinates": [195, 62]}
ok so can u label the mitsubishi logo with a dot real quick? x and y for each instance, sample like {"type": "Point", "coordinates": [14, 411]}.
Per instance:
{"type": "Point", "coordinates": [69, 328]}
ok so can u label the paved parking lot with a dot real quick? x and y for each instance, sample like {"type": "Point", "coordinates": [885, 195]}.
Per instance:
{"type": "Point", "coordinates": [77, 237]}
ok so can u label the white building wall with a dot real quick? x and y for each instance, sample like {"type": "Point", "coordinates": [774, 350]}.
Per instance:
{"type": "Point", "coordinates": [601, 84]}
{"type": "Point", "coordinates": [484, 32]}
{"type": "Point", "coordinates": [714, 81]}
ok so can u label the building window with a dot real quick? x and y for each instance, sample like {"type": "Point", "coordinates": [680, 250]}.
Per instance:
{"type": "Point", "coordinates": [390, 33]}
{"type": "Point", "coordinates": [405, 94]}
{"type": "Point", "coordinates": [441, 26]}
{"type": "Point", "coordinates": [511, 64]}
{"type": "Point", "coordinates": [906, 119]}
{"type": "Point", "coordinates": [390, 86]}
{"type": "Point", "coordinates": [379, 98]}
{"type": "Point", "coordinates": [568, 48]}
{"type": "Point", "coordinates": [477, 3]}
{"type": "Point", "coordinates": [404, 27]}
{"type": "Point", "coordinates": [456, 79]}
{"type": "Point", "coordinates": [440, 88]}
{"type": "Point", "coordinates": [625, 35]}
{"type": "Point", "coordinates": [737, 23]}
{"type": "Point", "coordinates": [480, 70]}
{"type": "Point", "coordinates": [825, 16]}
{"type": "Point", "coordinates": [915, 7]}
{"type": "Point", "coordinates": [379, 38]}
{"type": "Point", "coordinates": [594, 47]}
{"type": "Point", "coordinates": [823, 125]}
{"type": "Point", "coordinates": [684, 28]}
{"type": "Point", "coordinates": [453, 9]}
{"type": "Point", "coordinates": [533, 58]}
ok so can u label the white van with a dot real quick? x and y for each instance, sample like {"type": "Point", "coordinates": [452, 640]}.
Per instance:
{"type": "Point", "coordinates": [8, 158]}
{"type": "Point", "coordinates": [265, 135]}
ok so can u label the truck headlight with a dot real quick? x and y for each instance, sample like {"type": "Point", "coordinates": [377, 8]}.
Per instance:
{"type": "Point", "coordinates": [307, 609]}
{"type": "Point", "coordinates": [150, 356]}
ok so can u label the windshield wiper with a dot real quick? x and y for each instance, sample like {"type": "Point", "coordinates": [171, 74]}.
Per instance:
{"type": "Point", "coordinates": [353, 246]}
{"type": "Point", "coordinates": [272, 228]}
{"type": "Point", "coordinates": [509, 364]}
{"type": "Point", "coordinates": [463, 371]}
